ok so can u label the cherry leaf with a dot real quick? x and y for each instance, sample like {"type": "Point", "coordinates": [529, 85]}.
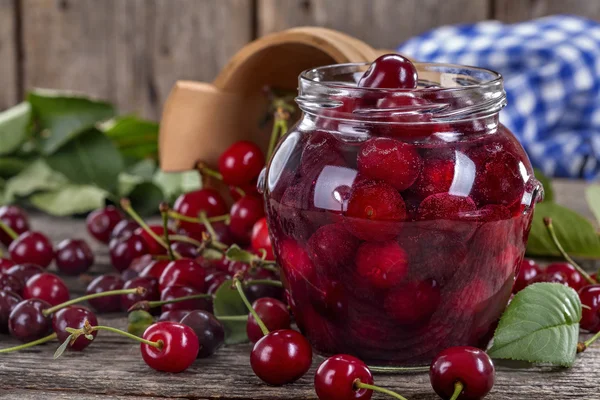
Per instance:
{"type": "Point", "coordinates": [228, 302]}
{"type": "Point", "coordinates": [235, 253]}
{"type": "Point", "coordinates": [546, 183]}
{"type": "Point", "coordinates": [541, 325]}
{"type": "Point", "coordinates": [592, 195]}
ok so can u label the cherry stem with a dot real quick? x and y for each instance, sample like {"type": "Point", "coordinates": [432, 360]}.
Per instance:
{"type": "Point", "coordinates": [357, 384]}
{"type": "Point", "coordinates": [552, 233]}
{"type": "Point", "coordinates": [219, 218]}
{"type": "Point", "coordinates": [30, 344]}
{"type": "Point", "coordinates": [238, 285]}
{"type": "Point", "coordinates": [582, 346]}
{"type": "Point", "coordinates": [126, 206]}
{"type": "Point", "coordinates": [138, 290]}
{"type": "Point", "coordinates": [89, 329]}
{"type": "Point", "coordinates": [211, 231]}
{"type": "Point", "coordinates": [458, 389]}
{"type": "Point", "coordinates": [279, 128]}
{"type": "Point", "coordinates": [268, 282]}
{"type": "Point", "coordinates": [239, 191]}
{"type": "Point", "coordinates": [164, 213]}
{"type": "Point", "coordinates": [186, 239]}
{"type": "Point", "coordinates": [9, 231]}
{"type": "Point", "coordinates": [146, 305]}
{"type": "Point", "coordinates": [233, 318]}
{"type": "Point", "coordinates": [205, 170]}
{"type": "Point", "coordinates": [399, 369]}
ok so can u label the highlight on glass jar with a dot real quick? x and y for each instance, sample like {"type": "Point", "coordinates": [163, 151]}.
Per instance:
{"type": "Point", "coordinates": [399, 209]}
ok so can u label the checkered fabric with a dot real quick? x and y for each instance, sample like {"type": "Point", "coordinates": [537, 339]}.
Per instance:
{"type": "Point", "coordinates": [551, 69]}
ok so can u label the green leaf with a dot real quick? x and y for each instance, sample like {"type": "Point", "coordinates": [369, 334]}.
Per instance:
{"type": "Point", "coordinates": [62, 116]}
{"type": "Point", "coordinates": [235, 253]}
{"type": "Point", "coordinates": [70, 199]}
{"type": "Point", "coordinates": [14, 127]}
{"type": "Point", "coordinates": [175, 183]}
{"type": "Point", "coordinates": [575, 232]}
{"type": "Point", "coordinates": [89, 158]}
{"type": "Point", "coordinates": [61, 349]}
{"type": "Point", "coordinates": [136, 138]}
{"type": "Point", "coordinates": [145, 198]}
{"type": "Point", "coordinates": [11, 166]}
{"type": "Point", "coordinates": [138, 321]}
{"type": "Point", "coordinates": [144, 169]}
{"type": "Point", "coordinates": [228, 302]}
{"type": "Point", "coordinates": [546, 183]}
{"type": "Point", "coordinates": [541, 325]}
{"type": "Point", "coordinates": [38, 176]}
{"type": "Point", "coordinates": [592, 195]}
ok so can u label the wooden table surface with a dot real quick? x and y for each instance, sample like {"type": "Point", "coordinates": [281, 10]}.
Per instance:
{"type": "Point", "coordinates": [112, 368]}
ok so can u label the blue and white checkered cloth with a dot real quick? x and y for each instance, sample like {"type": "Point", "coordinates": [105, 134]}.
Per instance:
{"type": "Point", "coordinates": [551, 69]}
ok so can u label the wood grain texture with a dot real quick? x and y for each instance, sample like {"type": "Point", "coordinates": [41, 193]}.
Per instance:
{"type": "Point", "coordinates": [9, 82]}
{"type": "Point", "coordinates": [521, 10]}
{"type": "Point", "coordinates": [380, 23]}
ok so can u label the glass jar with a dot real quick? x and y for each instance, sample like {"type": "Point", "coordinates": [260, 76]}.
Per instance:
{"type": "Point", "coordinates": [399, 217]}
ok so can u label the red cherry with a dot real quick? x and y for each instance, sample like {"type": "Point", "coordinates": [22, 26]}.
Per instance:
{"type": "Point", "coordinates": [16, 219]}
{"type": "Point", "coordinates": [153, 246]}
{"type": "Point", "coordinates": [273, 313]}
{"type": "Point", "coordinates": [382, 264]}
{"type": "Point", "coordinates": [244, 214]}
{"type": "Point", "coordinates": [105, 283]}
{"type": "Point", "coordinates": [173, 315]}
{"type": "Point", "coordinates": [208, 329]}
{"type": "Point", "coordinates": [179, 347]}
{"type": "Point", "coordinates": [248, 189]}
{"type": "Point", "coordinates": [8, 301]}
{"type": "Point", "coordinates": [100, 223]}
{"type": "Point", "coordinates": [124, 228]}
{"type": "Point", "coordinates": [574, 278]}
{"type": "Point", "coordinates": [27, 321]}
{"type": "Point", "coordinates": [241, 163]}
{"type": "Point", "coordinates": [193, 203]}
{"type": "Point", "coordinates": [222, 230]}
{"type": "Point", "coordinates": [155, 269]}
{"type": "Point", "coordinates": [11, 283]}
{"type": "Point", "coordinates": [436, 177]}
{"type": "Point", "coordinates": [125, 249]}
{"type": "Point", "coordinates": [590, 317]}
{"type": "Point", "coordinates": [321, 149]}
{"type": "Point", "coordinates": [74, 256]}
{"type": "Point", "coordinates": [527, 273]}
{"type": "Point", "coordinates": [554, 277]}
{"type": "Point", "coordinates": [390, 71]}
{"type": "Point", "coordinates": [48, 287]}
{"type": "Point", "coordinates": [281, 357]}
{"type": "Point", "coordinates": [24, 271]}
{"type": "Point", "coordinates": [334, 380]}
{"type": "Point", "coordinates": [183, 272]}
{"type": "Point", "coordinates": [73, 317]}
{"type": "Point", "coordinates": [295, 262]}
{"type": "Point", "coordinates": [152, 292]}
{"type": "Point", "coordinates": [173, 292]}
{"type": "Point", "coordinates": [5, 264]}
{"type": "Point", "coordinates": [332, 248]}
{"type": "Point", "coordinates": [468, 365]}
{"type": "Point", "coordinates": [445, 206]}
{"type": "Point", "coordinates": [493, 212]}
{"type": "Point", "coordinates": [498, 179]}
{"type": "Point", "coordinates": [32, 247]}
{"type": "Point", "coordinates": [186, 250]}
{"type": "Point", "coordinates": [261, 240]}
{"type": "Point", "coordinates": [413, 303]}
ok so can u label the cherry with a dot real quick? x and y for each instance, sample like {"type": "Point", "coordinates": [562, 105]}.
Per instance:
{"type": "Point", "coordinates": [183, 272]}
{"type": "Point", "coordinates": [436, 177]}
{"type": "Point", "coordinates": [244, 214]}
{"type": "Point", "coordinates": [590, 318]}
{"type": "Point", "coordinates": [100, 223]}
{"type": "Point", "coordinates": [493, 212]}
{"type": "Point", "coordinates": [32, 247]}
{"type": "Point", "coordinates": [173, 315]}
{"type": "Point", "coordinates": [138, 264]}
{"type": "Point", "coordinates": [261, 240]}
{"type": "Point", "coordinates": [295, 262]}
{"type": "Point", "coordinates": [390, 71]}
{"type": "Point", "coordinates": [413, 303]}
{"type": "Point", "coordinates": [208, 329]}
{"type": "Point", "coordinates": [74, 256]}
{"type": "Point", "coordinates": [27, 321]}
{"type": "Point", "coordinates": [554, 277]}
{"type": "Point", "coordinates": [8, 301]}
{"type": "Point", "coordinates": [332, 248]}
{"type": "Point", "coordinates": [153, 246]}
{"type": "Point", "coordinates": [214, 280]}
{"type": "Point", "coordinates": [193, 203]}
{"type": "Point", "coordinates": [125, 227]}
{"type": "Point", "coordinates": [336, 376]}
{"type": "Point", "coordinates": [128, 274]}
{"type": "Point", "coordinates": [527, 273]}
{"type": "Point", "coordinates": [104, 283]}
{"type": "Point", "coordinates": [11, 283]}
{"type": "Point", "coordinates": [281, 357]}
{"type": "Point", "coordinates": [464, 366]}
{"type": "Point", "coordinates": [155, 269]}
{"type": "Point", "coordinates": [178, 347]}
{"type": "Point", "coordinates": [16, 219]}
{"type": "Point", "coordinates": [152, 292]}
{"type": "Point", "coordinates": [221, 229]}
{"type": "Point", "coordinates": [124, 250]}
{"type": "Point", "coordinates": [273, 313]}
{"type": "Point", "coordinates": [321, 149]}
{"type": "Point", "coordinates": [73, 317]}
{"type": "Point", "coordinates": [259, 290]}
{"type": "Point", "coordinates": [574, 278]}
{"type": "Point", "coordinates": [24, 271]}
{"type": "Point", "coordinates": [5, 264]}
{"type": "Point", "coordinates": [391, 161]}
{"type": "Point", "coordinates": [445, 206]}
{"type": "Point", "coordinates": [186, 250]}
{"type": "Point", "coordinates": [247, 189]}
{"type": "Point", "coordinates": [498, 180]}
{"type": "Point", "coordinates": [382, 264]}
{"type": "Point", "coordinates": [174, 292]}
{"type": "Point", "coordinates": [241, 162]}
{"type": "Point", "coordinates": [48, 287]}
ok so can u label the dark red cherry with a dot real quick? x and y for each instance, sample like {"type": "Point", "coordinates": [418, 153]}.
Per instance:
{"type": "Point", "coordinates": [27, 321]}
{"type": "Point", "coordinates": [153, 246]}
{"type": "Point", "coordinates": [392, 161]}
{"type": "Point", "coordinates": [74, 256]}
{"type": "Point", "coordinates": [590, 317]}
{"type": "Point", "coordinates": [125, 249]}
{"type": "Point", "coordinates": [413, 303]}
{"type": "Point", "coordinates": [258, 291]}
{"type": "Point", "coordinates": [5, 264]}
{"type": "Point", "coordinates": [574, 278]}
{"type": "Point", "coordinates": [295, 262]}
{"type": "Point", "coordinates": [249, 189]}
{"type": "Point", "coordinates": [332, 248]}
{"type": "Point", "coordinates": [173, 315]}
{"type": "Point", "coordinates": [281, 357]}
{"type": "Point", "coordinates": [554, 277]}
{"type": "Point", "coordinates": [24, 271]}
{"type": "Point", "coordinates": [152, 292]}
{"type": "Point", "coordinates": [445, 206]}
{"type": "Point", "coordinates": [214, 280]}
{"type": "Point", "coordinates": [498, 179]}
{"type": "Point", "coordinates": [179, 347]}
{"type": "Point", "coordinates": [186, 250]}
{"type": "Point", "coordinates": [244, 214]}
{"type": "Point", "coordinates": [174, 292]}
{"type": "Point", "coordinates": [184, 272]}
{"type": "Point", "coordinates": [273, 313]}
{"type": "Point", "coordinates": [32, 247]}
{"type": "Point", "coordinates": [8, 301]}
{"type": "Point", "coordinates": [382, 264]}
{"type": "Point", "coordinates": [140, 263]}
{"type": "Point", "coordinates": [48, 287]}
{"type": "Point", "coordinates": [390, 71]}
{"type": "Point", "coordinates": [222, 230]}
{"type": "Point", "coordinates": [105, 283]}
{"type": "Point", "coordinates": [11, 283]}
{"type": "Point", "coordinates": [468, 365]}
{"type": "Point", "coordinates": [241, 163]}
{"type": "Point", "coordinates": [125, 227]}
{"type": "Point", "coordinates": [155, 269]}
{"type": "Point", "coordinates": [208, 329]}
{"type": "Point", "coordinates": [527, 273]}
{"type": "Point", "coordinates": [335, 377]}
{"type": "Point", "coordinates": [73, 317]}
{"type": "Point", "coordinates": [261, 240]}
{"type": "Point", "coordinates": [100, 223]}
{"type": "Point", "coordinates": [193, 203]}
{"type": "Point", "coordinates": [436, 177]}
{"type": "Point", "coordinates": [16, 219]}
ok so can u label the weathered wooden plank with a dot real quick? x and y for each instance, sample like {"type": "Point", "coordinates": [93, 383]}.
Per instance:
{"type": "Point", "coordinates": [521, 10]}
{"type": "Point", "coordinates": [9, 82]}
{"type": "Point", "coordinates": [381, 23]}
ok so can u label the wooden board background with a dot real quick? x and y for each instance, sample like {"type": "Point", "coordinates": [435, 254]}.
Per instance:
{"type": "Point", "coordinates": [132, 51]}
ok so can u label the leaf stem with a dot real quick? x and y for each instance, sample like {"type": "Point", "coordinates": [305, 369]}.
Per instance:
{"type": "Point", "coordinates": [361, 385]}
{"type": "Point", "coordinates": [138, 290]}
{"type": "Point", "coordinates": [552, 233]}
{"type": "Point", "coordinates": [238, 285]}
{"type": "Point", "coordinates": [30, 344]}
{"type": "Point", "coordinates": [9, 231]}
{"type": "Point", "coordinates": [164, 213]}
{"type": "Point", "coordinates": [458, 389]}
{"type": "Point", "coordinates": [146, 305]}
